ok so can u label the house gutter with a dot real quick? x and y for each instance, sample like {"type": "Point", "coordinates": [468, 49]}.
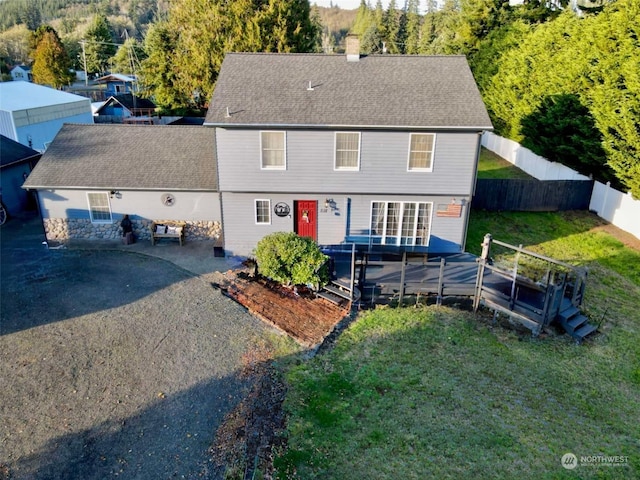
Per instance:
{"type": "Point", "coordinates": [346, 127]}
{"type": "Point", "coordinates": [123, 189]}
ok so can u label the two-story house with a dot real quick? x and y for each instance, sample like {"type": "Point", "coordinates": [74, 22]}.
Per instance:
{"type": "Point", "coordinates": [376, 150]}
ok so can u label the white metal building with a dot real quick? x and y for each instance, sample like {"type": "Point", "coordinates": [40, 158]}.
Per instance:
{"type": "Point", "coordinates": [33, 114]}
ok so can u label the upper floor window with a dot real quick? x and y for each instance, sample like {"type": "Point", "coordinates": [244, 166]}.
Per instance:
{"type": "Point", "coordinates": [347, 151]}
{"type": "Point", "coordinates": [263, 212]}
{"type": "Point", "coordinates": [273, 150]}
{"type": "Point", "coordinates": [421, 152]}
{"type": "Point", "coordinates": [99, 207]}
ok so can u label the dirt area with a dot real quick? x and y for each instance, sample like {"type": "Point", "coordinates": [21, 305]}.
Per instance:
{"type": "Point", "coordinates": [246, 441]}
{"type": "Point", "coordinates": [296, 312]}
{"type": "Point", "coordinates": [625, 237]}
{"type": "Point", "coordinates": [119, 364]}
{"type": "Point", "coordinates": [114, 364]}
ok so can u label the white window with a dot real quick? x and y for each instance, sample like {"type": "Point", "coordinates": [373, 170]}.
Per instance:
{"type": "Point", "coordinates": [421, 152]}
{"type": "Point", "coordinates": [99, 207]}
{"type": "Point", "coordinates": [273, 150]}
{"type": "Point", "coordinates": [347, 151]}
{"type": "Point", "coordinates": [400, 223]}
{"type": "Point", "coordinates": [263, 212]}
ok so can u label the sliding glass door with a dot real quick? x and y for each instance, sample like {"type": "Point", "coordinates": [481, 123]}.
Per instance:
{"type": "Point", "coordinates": [400, 223]}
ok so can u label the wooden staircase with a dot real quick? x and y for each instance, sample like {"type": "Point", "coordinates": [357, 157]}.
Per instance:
{"type": "Point", "coordinates": [337, 292]}
{"type": "Point", "coordinates": [574, 322]}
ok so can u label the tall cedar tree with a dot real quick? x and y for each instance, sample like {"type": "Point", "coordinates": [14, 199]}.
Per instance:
{"type": "Point", "coordinates": [190, 61]}
{"type": "Point", "coordinates": [562, 130]}
{"type": "Point", "coordinates": [99, 47]}
{"type": "Point", "coordinates": [412, 41]}
{"type": "Point", "coordinates": [51, 63]}
{"type": "Point", "coordinates": [393, 29]}
{"type": "Point", "coordinates": [593, 57]}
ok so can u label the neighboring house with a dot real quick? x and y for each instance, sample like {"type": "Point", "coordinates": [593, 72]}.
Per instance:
{"type": "Point", "coordinates": [117, 84]}
{"type": "Point", "coordinates": [21, 73]}
{"type": "Point", "coordinates": [376, 150]}
{"type": "Point", "coordinates": [119, 107]}
{"type": "Point", "coordinates": [33, 114]}
{"type": "Point", "coordinates": [92, 175]}
{"type": "Point", "coordinates": [16, 162]}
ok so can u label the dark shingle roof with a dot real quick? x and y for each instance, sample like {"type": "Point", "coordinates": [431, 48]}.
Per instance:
{"type": "Point", "coordinates": [13, 152]}
{"type": "Point", "coordinates": [393, 91]}
{"type": "Point", "coordinates": [134, 157]}
{"type": "Point", "coordinates": [127, 101]}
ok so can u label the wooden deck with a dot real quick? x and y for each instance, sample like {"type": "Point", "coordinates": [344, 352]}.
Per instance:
{"type": "Point", "coordinates": [382, 276]}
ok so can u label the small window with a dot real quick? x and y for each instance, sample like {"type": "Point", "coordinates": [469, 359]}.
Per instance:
{"type": "Point", "coordinates": [273, 150]}
{"type": "Point", "coordinates": [347, 151]}
{"type": "Point", "coordinates": [421, 152]}
{"type": "Point", "coordinates": [263, 212]}
{"type": "Point", "coordinates": [99, 207]}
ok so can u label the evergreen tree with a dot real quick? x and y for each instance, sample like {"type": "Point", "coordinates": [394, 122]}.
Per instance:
{"type": "Point", "coordinates": [196, 54]}
{"type": "Point", "coordinates": [31, 16]}
{"type": "Point", "coordinates": [392, 27]}
{"type": "Point", "coordinates": [128, 57]}
{"type": "Point", "coordinates": [158, 79]}
{"type": "Point", "coordinates": [594, 58]}
{"type": "Point", "coordinates": [563, 130]}
{"type": "Point", "coordinates": [99, 45]}
{"type": "Point", "coordinates": [441, 30]}
{"type": "Point", "coordinates": [51, 65]}
{"type": "Point", "coordinates": [363, 20]}
{"type": "Point", "coordinates": [371, 41]}
{"type": "Point", "coordinates": [412, 42]}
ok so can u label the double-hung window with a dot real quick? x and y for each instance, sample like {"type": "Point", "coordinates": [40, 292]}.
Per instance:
{"type": "Point", "coordinates": [99, 207]}
{"type": "Point", "coordinates": [263, 212]}
{"type": "Point", "coordinates": [400, 223]}
{"type": "Point", "coordinates": [421, 152]}
{"type": "Point", "coordinates": [273, 151]}
{"type": "Point", "coordinates": [347, 155]}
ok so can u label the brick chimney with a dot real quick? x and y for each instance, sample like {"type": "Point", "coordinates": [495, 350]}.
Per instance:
{"type": "Point", "coordinates": [353, 48]}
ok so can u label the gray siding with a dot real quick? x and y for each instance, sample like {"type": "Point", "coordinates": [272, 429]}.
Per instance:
{"type": "Point", "coordinates": [310, 164]}
{"type": "Point", "coordinates": [350, 221]}
{"type": "Point", "coordinates": [72, 204]}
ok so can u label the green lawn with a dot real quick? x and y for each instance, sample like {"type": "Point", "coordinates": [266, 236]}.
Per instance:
{"type": "Point", "coordinates": [431, 392]}
{"type": "Point", "coordinates": [491, 165]}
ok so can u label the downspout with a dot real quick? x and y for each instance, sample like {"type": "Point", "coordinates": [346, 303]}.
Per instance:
{"type": "Point", "coordinates": [473, 191]}
{"type": "Point", "coordinates": [38, 206]}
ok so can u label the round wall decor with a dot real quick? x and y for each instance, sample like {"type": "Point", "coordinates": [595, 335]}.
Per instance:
{"type": "Point", "coordinates": [168, 199]}
{"type": "Point", "coordinates": [281, 209]}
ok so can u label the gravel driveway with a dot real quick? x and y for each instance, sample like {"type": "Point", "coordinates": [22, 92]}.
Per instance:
{"type": "Point", "coordinates": [112, 364]}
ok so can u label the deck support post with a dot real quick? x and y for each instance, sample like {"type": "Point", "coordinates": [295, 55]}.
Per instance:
{"type": "Point", "coordinates": [352, 283]}
{"type": "Point", "coordinates": [441, 282]}
{"type": "Point", "coordinates": [402, 276]}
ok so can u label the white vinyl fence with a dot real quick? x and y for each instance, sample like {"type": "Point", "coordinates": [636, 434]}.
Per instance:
{"type": "Point", "coordinates": [616, 207]}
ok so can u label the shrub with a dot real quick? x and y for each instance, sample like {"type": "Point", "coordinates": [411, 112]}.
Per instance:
{"type": "Point", "coordinates": [291, 260]}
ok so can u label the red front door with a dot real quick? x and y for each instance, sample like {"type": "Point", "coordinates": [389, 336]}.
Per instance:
{"type": "Point", "coordinates": [306, 218]}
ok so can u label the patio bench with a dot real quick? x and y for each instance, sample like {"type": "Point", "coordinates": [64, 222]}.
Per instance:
{"type": "Point", "coordinates": [167, 229]}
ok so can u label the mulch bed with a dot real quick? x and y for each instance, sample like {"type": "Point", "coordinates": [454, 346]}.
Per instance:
{"type": "Point", "coordinates": [296, 312]}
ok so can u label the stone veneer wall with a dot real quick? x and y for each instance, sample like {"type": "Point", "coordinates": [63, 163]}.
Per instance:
{"type": "Point", "coordinates": [61, 229]}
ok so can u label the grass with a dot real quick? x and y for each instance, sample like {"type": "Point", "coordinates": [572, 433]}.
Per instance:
{"type": "Point", "coordinates": [439, 393]}
{"type": "Point", "coordinates": [491, 165]}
